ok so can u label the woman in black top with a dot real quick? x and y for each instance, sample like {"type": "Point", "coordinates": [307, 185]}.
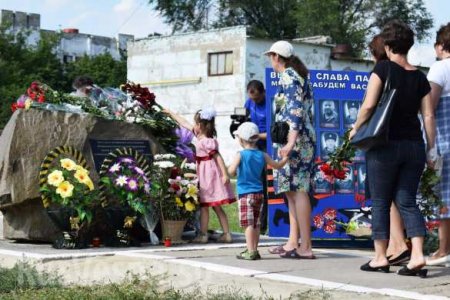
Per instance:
{"type": "Point", "coordinates": [395, 169]}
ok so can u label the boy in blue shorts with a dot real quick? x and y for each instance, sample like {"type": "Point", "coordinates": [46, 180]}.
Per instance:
{"type": "Point", "coordinates": [248, 164]}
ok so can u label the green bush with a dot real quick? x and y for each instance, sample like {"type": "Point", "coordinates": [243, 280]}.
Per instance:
{"type": "Point", "coordinates": [24, 276]}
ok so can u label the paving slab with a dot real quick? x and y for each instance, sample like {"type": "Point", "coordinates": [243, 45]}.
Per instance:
{"type": "Point", "coordinates": [335, 270]}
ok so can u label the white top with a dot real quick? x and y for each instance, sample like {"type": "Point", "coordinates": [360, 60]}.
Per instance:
{"type": "Point", "coordinates": [440, 74]}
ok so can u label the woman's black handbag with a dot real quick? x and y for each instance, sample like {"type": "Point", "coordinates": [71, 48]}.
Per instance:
{"type": "Point", "coordinates": [279, 132]}
{"type": "Point", "coordinates": [375, 131]}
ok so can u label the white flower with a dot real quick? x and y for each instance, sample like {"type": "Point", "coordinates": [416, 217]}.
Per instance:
{"type": "Point", "coordinates": [156, 108]}
{"type": "Point", "coordinates": [138, 120]}
{"type": "Point", "coordinates": [121, 180]}
{"type": "Point", "coordinates": [164, 164]}
{"type": "Point", "coordinates": [164, 156]}
{"type": "Point", "coordinates": [130, 119]}
{"type": "Point", "coordinates": [190, 166]}
{"type": "Point", "coordinates": [114, 168]}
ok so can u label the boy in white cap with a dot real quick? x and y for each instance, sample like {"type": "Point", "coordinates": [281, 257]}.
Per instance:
{"type": "Point", "coordinates": [248, 164]}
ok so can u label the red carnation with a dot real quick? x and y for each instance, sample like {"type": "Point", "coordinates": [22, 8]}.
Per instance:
{"type": "Point", "coordinates": [326, 169]}
{"type": "Point", "coordinates": [339, 174]}
{"type": "Point", "coordinates": [14, 107]}
{"type": "Point", "coordinates": [330, 214]}
{"type": "Point", "coordinates": [174, 173]}
{"type": "Point", "coordinates": [175, 187]}
{"type": "Point", "coordinates": [41, 98]}
{"type": "Point", "coordinates": [318, 221]}
{"type": "Point", "coordinates": [330, 227]}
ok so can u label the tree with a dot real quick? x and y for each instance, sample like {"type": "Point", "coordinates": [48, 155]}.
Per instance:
{"type": "Point", "coordinates": [103, 69]}
{"type": "Point", "coordinates": [21, 64]}
{"type": "Point", "coordinates": [346, 21]}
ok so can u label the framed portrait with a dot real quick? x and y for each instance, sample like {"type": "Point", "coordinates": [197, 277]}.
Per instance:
{"type": "Point", "coordinates": [329, 141]}
{"type": "Point", "coordinates": [329, 113]}
{"type": "Point", "coordinates": [347, 185]}
{"type": "Point", "coordinates": [361, 175]}
{"type": "Point", "coordinates": [351, 109]}
{"type": "Point", "coordinates": [320, 184]}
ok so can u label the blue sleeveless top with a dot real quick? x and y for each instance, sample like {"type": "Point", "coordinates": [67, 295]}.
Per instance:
{"type": "Point", "coordinates": [249, 171]}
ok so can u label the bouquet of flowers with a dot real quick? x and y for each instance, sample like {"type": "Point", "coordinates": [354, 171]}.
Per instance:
{"type": "Point", "coordinates": [177, 183]}
{"type": "Point", "coordinates": [34, 93]}
{"type": "Point", "coordinates": [335, 167]}
{"type": "Point", "coordinates": [129, 184]}
{"type": "Point", "coordinates": [69, 185]}
{"type": "Point", "coordinates": [358, 225]}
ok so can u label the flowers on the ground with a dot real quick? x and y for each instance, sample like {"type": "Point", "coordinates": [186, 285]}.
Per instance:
{"type": "Point", "coordinates": [177, 185]}
{"type": "Point", "coordinates": [329, 222]}
{"type": "Point", "coordinates": [69, 184]}
{"type": "Point", "coordinates": [429, 197]}
{"type": "Point", "coordinates": [335, 167]}
{"type": "Point", "coordinates": [127, 182]}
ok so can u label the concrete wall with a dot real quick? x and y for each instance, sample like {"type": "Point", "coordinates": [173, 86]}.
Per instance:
{"type": "Point", "coordinates": [176, 69]}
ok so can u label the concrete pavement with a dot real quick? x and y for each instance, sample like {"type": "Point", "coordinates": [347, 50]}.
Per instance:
{"type": "Point", "coordinates": [214, 266]}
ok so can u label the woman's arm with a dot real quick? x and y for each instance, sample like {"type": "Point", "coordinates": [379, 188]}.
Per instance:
{"type": "Point", "coordinates": [436, 91]}
{"type": "Point", "coordinates": [221, 163]}
{"type": "Point", "coordinates": [275, 164]}
{"type": "Point", "coordinates": [427, 111]}
{"type": "Point", "coordinates": [374, 88]}
{"type": "Point", "coordinates": [234, 164]}
{"type": "Point", "coordinates": [179, 119]}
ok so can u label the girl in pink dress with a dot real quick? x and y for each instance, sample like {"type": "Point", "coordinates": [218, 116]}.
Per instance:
{"type": "Point", "coordinates": [214, 184]}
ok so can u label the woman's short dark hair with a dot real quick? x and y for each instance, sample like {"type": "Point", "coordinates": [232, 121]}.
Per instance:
{"type": "Point", "coordinates": [256, 85]}
{"type": "Point", "coordinates": [398, 36]}
{"type": "Point", "coordinates": [443, 37]}
{"type": "Point", "coordinates": [82, 81]}
{"type": "Point", "coordinates": [376, 48]}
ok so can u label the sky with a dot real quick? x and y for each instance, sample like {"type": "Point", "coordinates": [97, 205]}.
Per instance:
{"type": "Point", "coordinates": [110, 17]}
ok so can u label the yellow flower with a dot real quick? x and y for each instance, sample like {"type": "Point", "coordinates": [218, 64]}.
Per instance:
{"type": "Point", "coordinates": [80, 168]}
{"type": "Point", "coordinates": [192, 192]}
{"type": "Point", "coordinates": [129, 221]}
{"type": "Point", "coordinates": [82, 176]}
{"type": "Point", "coordinates": [189, 206]}
{"type": "Point", "coordinates": [68, 164]}
{"type": "Point", "coordinates": [28, 103]}
{"type": "Point", "coordinates": [178, 201]}
{"type": "Point", "coordinates": [55, 178]}
{"type": "Point", "coordinates": [65, 189]}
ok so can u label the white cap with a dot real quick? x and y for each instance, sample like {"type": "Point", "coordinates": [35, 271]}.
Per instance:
{"type": "Point", "coordinates": [281, 48]}
{"type": "Point", "coordinates": [248, 131]}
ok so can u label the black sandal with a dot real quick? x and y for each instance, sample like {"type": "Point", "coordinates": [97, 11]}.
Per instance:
{"type": "Point", "coordinates": [368, 268]}
{"type": "Point", "coordinates": [405, 271]}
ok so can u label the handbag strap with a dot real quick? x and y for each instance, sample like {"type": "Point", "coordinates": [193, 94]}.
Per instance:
{"type": "Point", "coordinates": [387, 83]}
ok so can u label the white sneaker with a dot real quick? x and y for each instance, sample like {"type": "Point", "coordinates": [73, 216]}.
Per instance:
{"type": "Point", "coordinates": [441, 261]}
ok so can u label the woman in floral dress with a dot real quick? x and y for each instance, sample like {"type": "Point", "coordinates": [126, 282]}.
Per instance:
{"type": "Point", "coordinates": [294, 106]}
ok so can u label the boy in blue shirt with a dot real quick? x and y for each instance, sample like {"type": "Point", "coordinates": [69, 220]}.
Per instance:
{"type": "Point", "coordinates": [248, 164]}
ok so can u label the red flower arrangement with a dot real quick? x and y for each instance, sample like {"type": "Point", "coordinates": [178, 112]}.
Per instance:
{"type": "Point", "coordinates": [318, 221]}
{"type": "Point", "coordinates": [35, 92]}
{"type": "Point", "coordinates": [335, 167]}
{"type": "Point", "coordinates": [141, 94]}
{"type": "Point", "coordinates": [330, 227]}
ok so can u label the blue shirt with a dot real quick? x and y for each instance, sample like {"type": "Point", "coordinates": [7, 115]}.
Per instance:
{"type": "Point", "coordinates": [258, 116]}
{"type": "Point", "coordinates": [249, 171]}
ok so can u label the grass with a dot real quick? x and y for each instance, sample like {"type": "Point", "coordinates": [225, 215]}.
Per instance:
{"type": "Point", "coordinates": [24, 282]}
{"type": "Point", "coordinates": [232, 213]}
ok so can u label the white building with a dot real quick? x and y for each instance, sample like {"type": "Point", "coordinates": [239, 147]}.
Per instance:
{"type": "Point", "coordinates": [73, 44]}
{"type": "Point", "coordinates": [191, 70]}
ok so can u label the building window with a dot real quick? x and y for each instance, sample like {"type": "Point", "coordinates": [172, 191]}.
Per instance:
{"type": "Point", "coordinates": [67, 59]}
{"type": "Point", "coordinates": [220, 63]}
